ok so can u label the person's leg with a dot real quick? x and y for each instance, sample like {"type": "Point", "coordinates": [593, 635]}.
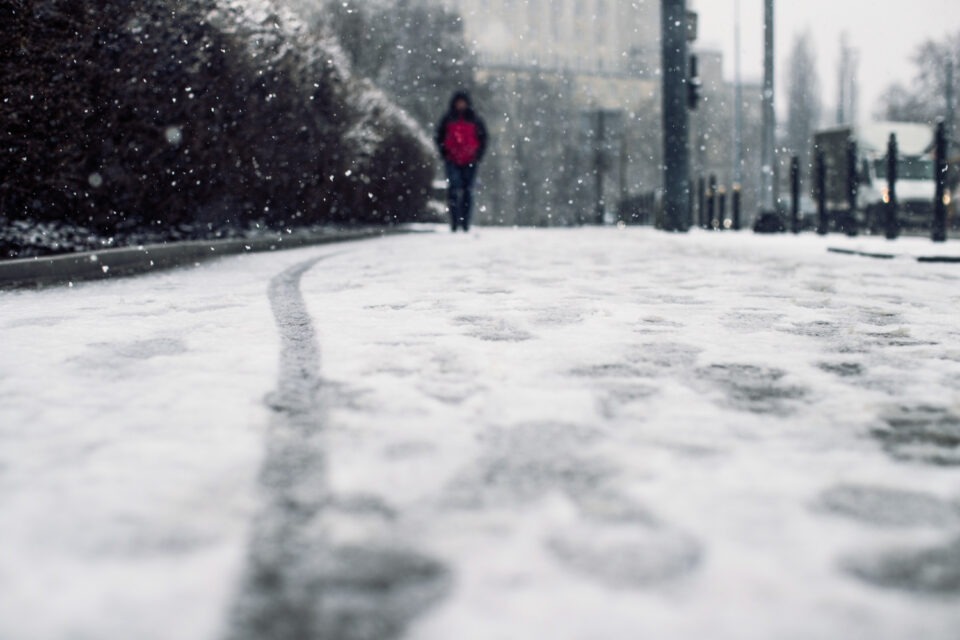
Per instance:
{"type": "Point", "coordinates": [462, 196]}
{"type": "Point", "coordinates": [453, 190]}
{"type": "Point", "coordinates": [466, 209]}
{"type": "Point", "coordinates": [463, 203]}
{"type": "Point", "coordinates": [469, 176]}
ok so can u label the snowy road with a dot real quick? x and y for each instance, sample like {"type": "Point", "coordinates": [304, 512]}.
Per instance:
{"type": "Point", "coordinates": [583, 434]}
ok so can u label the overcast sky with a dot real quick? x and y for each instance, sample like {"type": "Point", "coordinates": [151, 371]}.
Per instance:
{"type": "Point", "coordinates": [886, 32]}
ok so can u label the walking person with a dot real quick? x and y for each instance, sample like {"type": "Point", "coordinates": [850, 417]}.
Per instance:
{"type": "Point", "coordinates": [462, 139]}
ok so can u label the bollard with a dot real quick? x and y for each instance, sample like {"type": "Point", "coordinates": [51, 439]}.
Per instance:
{"type": "Point", "coordinates": [823, 221]}
{"type": "Point", "coordinates": [795, 194]}
{"type": "Point", "coordinates": [850, 225]}
{"type": "Point", "coordinates": [722, 223]}
{"type": "Point", "coordinates": [736, 205]}
{"type": "Point", "coordinates": [939, 232]}
{"type": "Point", "coordinates": [702, 202]}
{"type": "Point", "coordinates": [892, 223]}
{"type": "Point", "coordinates": [711, 203]}
{"type": "Point", "coordinates": [691, 221]}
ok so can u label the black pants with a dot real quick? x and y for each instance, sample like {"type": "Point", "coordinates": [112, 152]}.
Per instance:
{"type": "Point", "coordinates": [460, 194]}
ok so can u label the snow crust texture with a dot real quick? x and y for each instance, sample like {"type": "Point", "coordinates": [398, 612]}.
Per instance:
{"type": "Point", "coordinates": [520, 434]}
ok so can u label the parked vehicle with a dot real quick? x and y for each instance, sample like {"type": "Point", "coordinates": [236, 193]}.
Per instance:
{"type": "Point", "coordinates": [862, 153]}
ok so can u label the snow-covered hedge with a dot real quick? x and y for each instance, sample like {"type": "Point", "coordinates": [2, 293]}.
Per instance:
{"type": "Point", "coordinates": [124, 114]}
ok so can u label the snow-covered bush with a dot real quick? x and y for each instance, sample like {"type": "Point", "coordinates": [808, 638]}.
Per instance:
{"type": "Point", "coordinates": [415, 50]}
{"type": "Point", "coordinates": [126, 114]}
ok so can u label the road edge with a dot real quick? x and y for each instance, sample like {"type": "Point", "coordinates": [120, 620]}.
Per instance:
{"type": "Point", "coordinates": [129, 261]}
{"type": "Point", "coordinates": [928, 259]}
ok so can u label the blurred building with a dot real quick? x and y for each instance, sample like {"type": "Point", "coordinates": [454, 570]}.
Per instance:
{"type": "Point", "coordinates": [551, 68]}
{"type": "Point", "coordinates": [608, 37]}
{"type": "Point", "coordinates": [712, 135]}
{"type": "Point", "coordinates": [572, 89]}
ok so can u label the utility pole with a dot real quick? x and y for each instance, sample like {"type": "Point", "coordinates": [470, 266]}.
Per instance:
{"type": "Point", "coordinates": [676, 119]}
{"type": "Point", "coordinates": [770, 221]}
{"type": "Point", "coordinates": [769, 122]}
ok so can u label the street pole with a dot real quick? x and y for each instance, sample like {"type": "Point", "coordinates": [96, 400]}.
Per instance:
{"type": "Point", "coordinates": [769, 116]}
{"type": "Point", "coordinates": [676, 121]}
{"type": "Point", "coordinates": [769, 220]}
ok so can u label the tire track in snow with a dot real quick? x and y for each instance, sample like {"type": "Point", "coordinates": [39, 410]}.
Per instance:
{"type": "Point", "coordinates": [300, 584]}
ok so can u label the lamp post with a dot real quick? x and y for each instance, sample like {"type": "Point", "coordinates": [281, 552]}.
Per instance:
{"type": "Point", "coordinates": [769, 116]}
{"type": "Point", "coordinates": [769, 217]}
{"type": "Point", "coordinates": [676, 119]}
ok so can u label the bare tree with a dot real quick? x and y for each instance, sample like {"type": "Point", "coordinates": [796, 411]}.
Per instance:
{"type": "Point", "coordinates": [900, 104]}
{"type": "Point", "coordinates": [924, 100]}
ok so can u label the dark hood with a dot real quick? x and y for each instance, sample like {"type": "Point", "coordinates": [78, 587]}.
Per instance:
{"type": "Point", "coordinates": [461, 95]}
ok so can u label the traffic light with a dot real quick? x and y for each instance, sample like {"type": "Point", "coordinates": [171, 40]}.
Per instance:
{"type": "Point", "coordinates": [694, 85]}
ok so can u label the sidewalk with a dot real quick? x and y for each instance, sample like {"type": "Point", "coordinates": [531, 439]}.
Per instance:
{"type": "Point", "coordinates": [583, 433]}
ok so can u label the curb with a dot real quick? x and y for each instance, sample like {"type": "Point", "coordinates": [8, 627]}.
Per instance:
{"type": "Point", "coordinates": [893, 256]}
{"type": "Point", "coordinates": [862, 254]}
{"type": "Point", "coordinates": [940, 259]}
{"type": "Point", "coordinates": [127, 261]}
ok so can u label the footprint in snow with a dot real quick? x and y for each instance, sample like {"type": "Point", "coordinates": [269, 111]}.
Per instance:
{"type": "Point", "coordinates": [932, 571]}
{"type": "Point", "coordinates": [886, 507]}
{"type": "Point", "coordinates": [493, 329]}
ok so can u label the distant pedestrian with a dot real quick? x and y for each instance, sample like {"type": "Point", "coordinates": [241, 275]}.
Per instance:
{"type": "Point", "coordinates": [462, 139]}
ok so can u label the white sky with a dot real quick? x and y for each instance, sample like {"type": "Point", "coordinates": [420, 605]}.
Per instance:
{"type": "Point", "coordinates": [886, 32]}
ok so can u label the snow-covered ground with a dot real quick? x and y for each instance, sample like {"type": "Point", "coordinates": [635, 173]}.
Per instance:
{"type": "Point", "coordinates": [569, 434]}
